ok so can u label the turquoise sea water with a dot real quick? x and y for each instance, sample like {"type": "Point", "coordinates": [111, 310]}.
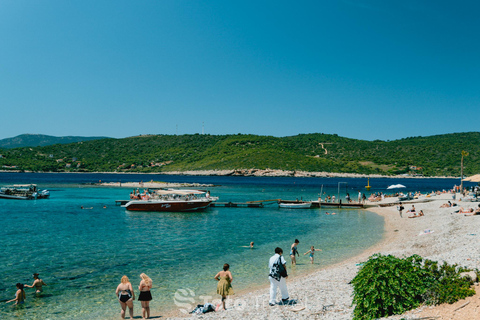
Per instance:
{"type": "Point", "coordinates": [82, 254]}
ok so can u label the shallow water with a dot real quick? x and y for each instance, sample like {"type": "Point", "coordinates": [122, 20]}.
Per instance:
{"type": "Point", "coordinates": [82, 254]}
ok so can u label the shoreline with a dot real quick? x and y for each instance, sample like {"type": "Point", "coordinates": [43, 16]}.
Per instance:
{"type": "Point", "coordinates": [327, 294]}
{"type": "Point", "coordinates": [254, 173]}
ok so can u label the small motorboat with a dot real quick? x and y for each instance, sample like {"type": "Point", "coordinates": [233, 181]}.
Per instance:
{"type": "Point", "coordinates": [23, 192]}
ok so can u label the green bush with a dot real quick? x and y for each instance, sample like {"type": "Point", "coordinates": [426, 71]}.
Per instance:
{"type": "Point", "coordinates": [388, 285]}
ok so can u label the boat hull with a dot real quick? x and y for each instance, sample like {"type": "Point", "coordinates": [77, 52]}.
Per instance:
{"type": "Point", "coordinates": [166, 206]}
{"type": "Point", "coordinates": [306, 205]}
{"type": "Point", "coordinates": [13, 197]}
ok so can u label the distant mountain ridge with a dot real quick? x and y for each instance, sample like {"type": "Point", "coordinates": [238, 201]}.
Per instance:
{"type": "Point", "coordinates": [41, 140]}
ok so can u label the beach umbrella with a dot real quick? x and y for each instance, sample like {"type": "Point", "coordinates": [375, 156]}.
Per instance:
{"type": "Point", "coordinates": [396, 186]}
{"type": "Point", "coordinates": [475, 178]}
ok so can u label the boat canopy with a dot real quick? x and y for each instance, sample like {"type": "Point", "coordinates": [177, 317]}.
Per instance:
{"type": "Point", "coordinates": [179, 192]}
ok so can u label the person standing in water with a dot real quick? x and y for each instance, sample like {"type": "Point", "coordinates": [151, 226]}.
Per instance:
{"type": "Point", "coordinates": [19, 295]}
{"type": "Point", "coordinates": [312, 252]}
{"type": "Point", "coordinates": [125, 295]}
{"type": "Point", "coordinates": [145, 296]}
{"type": "Point", "coordinates": [224, 286]}
{"type": "Point", "coordinates": [37, 284]}
{"type": "Point", "coordinates": [293, 251]}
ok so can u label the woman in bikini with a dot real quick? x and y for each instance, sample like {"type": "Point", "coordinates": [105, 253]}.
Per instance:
{"type": "Point", "coordinates": [145, 296]}
{"type": "Point", "coordinates": [19, 295]}
{"type": "Point", "coordinates": [125, 295]}
{"type": "Point", "coordinates": [37, 284]}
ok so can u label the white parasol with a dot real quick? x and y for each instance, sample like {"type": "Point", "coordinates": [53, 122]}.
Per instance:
{"type": "Point", "coordinates": [396, 186]}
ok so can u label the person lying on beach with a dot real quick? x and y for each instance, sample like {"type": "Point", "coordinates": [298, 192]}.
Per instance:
{"type": "Point", "coordinates": [461, 210]}
{"type": "Point", "coordinates": [446, 205]}
{"type": "Point", "coordinates": [412, 209]}
{"type": "Point", "coordinates": [415, 215]}
{"type": "Point", "coordinates": [37, 283]}
{"type": "Point", "coordinates": [312, 252]}
{"type": "Point", "coordinates": [476, 212]}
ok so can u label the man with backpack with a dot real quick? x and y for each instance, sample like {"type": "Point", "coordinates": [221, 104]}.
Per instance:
{"type": "Point", "coordinates": [278, 276]}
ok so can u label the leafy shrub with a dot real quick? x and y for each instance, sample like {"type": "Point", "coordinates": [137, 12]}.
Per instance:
{"type": "Point", "coordinates": [388, 285]}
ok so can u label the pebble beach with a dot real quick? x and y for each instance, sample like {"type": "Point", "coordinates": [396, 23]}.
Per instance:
{"type": "Point", "coordinates": [440, 235]}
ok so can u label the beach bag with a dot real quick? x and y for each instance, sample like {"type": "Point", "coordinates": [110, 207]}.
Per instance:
{"type": "Point", "coordinates": [278, 270]}
{"type": "Point", "coordinates": [203, 308]}
{"type": "Point", "coordinates": [282, 269]}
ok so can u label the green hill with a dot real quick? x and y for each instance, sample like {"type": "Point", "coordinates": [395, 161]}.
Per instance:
{"type": "Point", "coordinates": [430, 156]}
{"type": "Point", "coordinates": [36, 140]}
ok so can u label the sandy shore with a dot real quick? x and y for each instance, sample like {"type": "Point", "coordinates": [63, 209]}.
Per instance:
{"type": "Point", "coordinates": [326, 294]}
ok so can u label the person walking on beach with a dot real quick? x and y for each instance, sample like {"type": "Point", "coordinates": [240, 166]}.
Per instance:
{"type": "Point", "coordinates": [145, 296]}
{"type": "Point", "coordinates": [37, 284]}
{"type": "Point", "coordinates": [224, 286]}
{"type": "Point", "coordinates": [400, 209]}
{"type": "Point", "coordinates": [293, 251]}
{"type": "Point", "coordinates": [278, 275]}
{"type": "Point", "coordinates": [125, 295]}
{"type": "Point", "coordinates": [19, 295]}
{"type": "Point", "coordinates": [312, 252]}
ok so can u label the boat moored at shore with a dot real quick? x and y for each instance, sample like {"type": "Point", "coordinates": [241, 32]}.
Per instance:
{"type": "Point", "coordinates": [295, 205]}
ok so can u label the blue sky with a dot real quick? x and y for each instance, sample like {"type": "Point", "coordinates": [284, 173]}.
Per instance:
{"type": "Point", "coordinates": [360, 69]}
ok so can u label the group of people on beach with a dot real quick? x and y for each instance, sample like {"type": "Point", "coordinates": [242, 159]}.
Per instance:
{"type": "Point", "coordinates": [126, 295]}
{"type": "Point", "coordinates": [20, 295]}
{"type": "Point", "coordinates": [469, 212]}
{"type": "Point", "coordinates": [294, 251]}
{"type": "Point", "coordinates": [277, 275]}
{"type": "Point", "coordinates": [326, 198]}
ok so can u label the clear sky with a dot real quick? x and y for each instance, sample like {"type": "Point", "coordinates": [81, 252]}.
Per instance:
{"type": "Point", "coordinates": [361, 69]}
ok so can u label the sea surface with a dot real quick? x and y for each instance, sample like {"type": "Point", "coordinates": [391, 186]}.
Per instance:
{"type": "Point", "coordinates": [82, 253]}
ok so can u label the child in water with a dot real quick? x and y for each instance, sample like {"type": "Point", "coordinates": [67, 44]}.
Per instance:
{"type": "Point", "coordinates": [312, 252]}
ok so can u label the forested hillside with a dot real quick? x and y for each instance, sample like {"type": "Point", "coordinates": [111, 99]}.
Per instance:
{"type": "Point", "coordinates": [429, 156]}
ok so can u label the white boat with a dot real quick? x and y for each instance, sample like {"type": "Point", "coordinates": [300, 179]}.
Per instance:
{"type": "Point", "coordinates": [171, 200]}
{"type": "Point", "coordinates": [295, 205]}
{"type": "Point", "coordinates": [23, 192]}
